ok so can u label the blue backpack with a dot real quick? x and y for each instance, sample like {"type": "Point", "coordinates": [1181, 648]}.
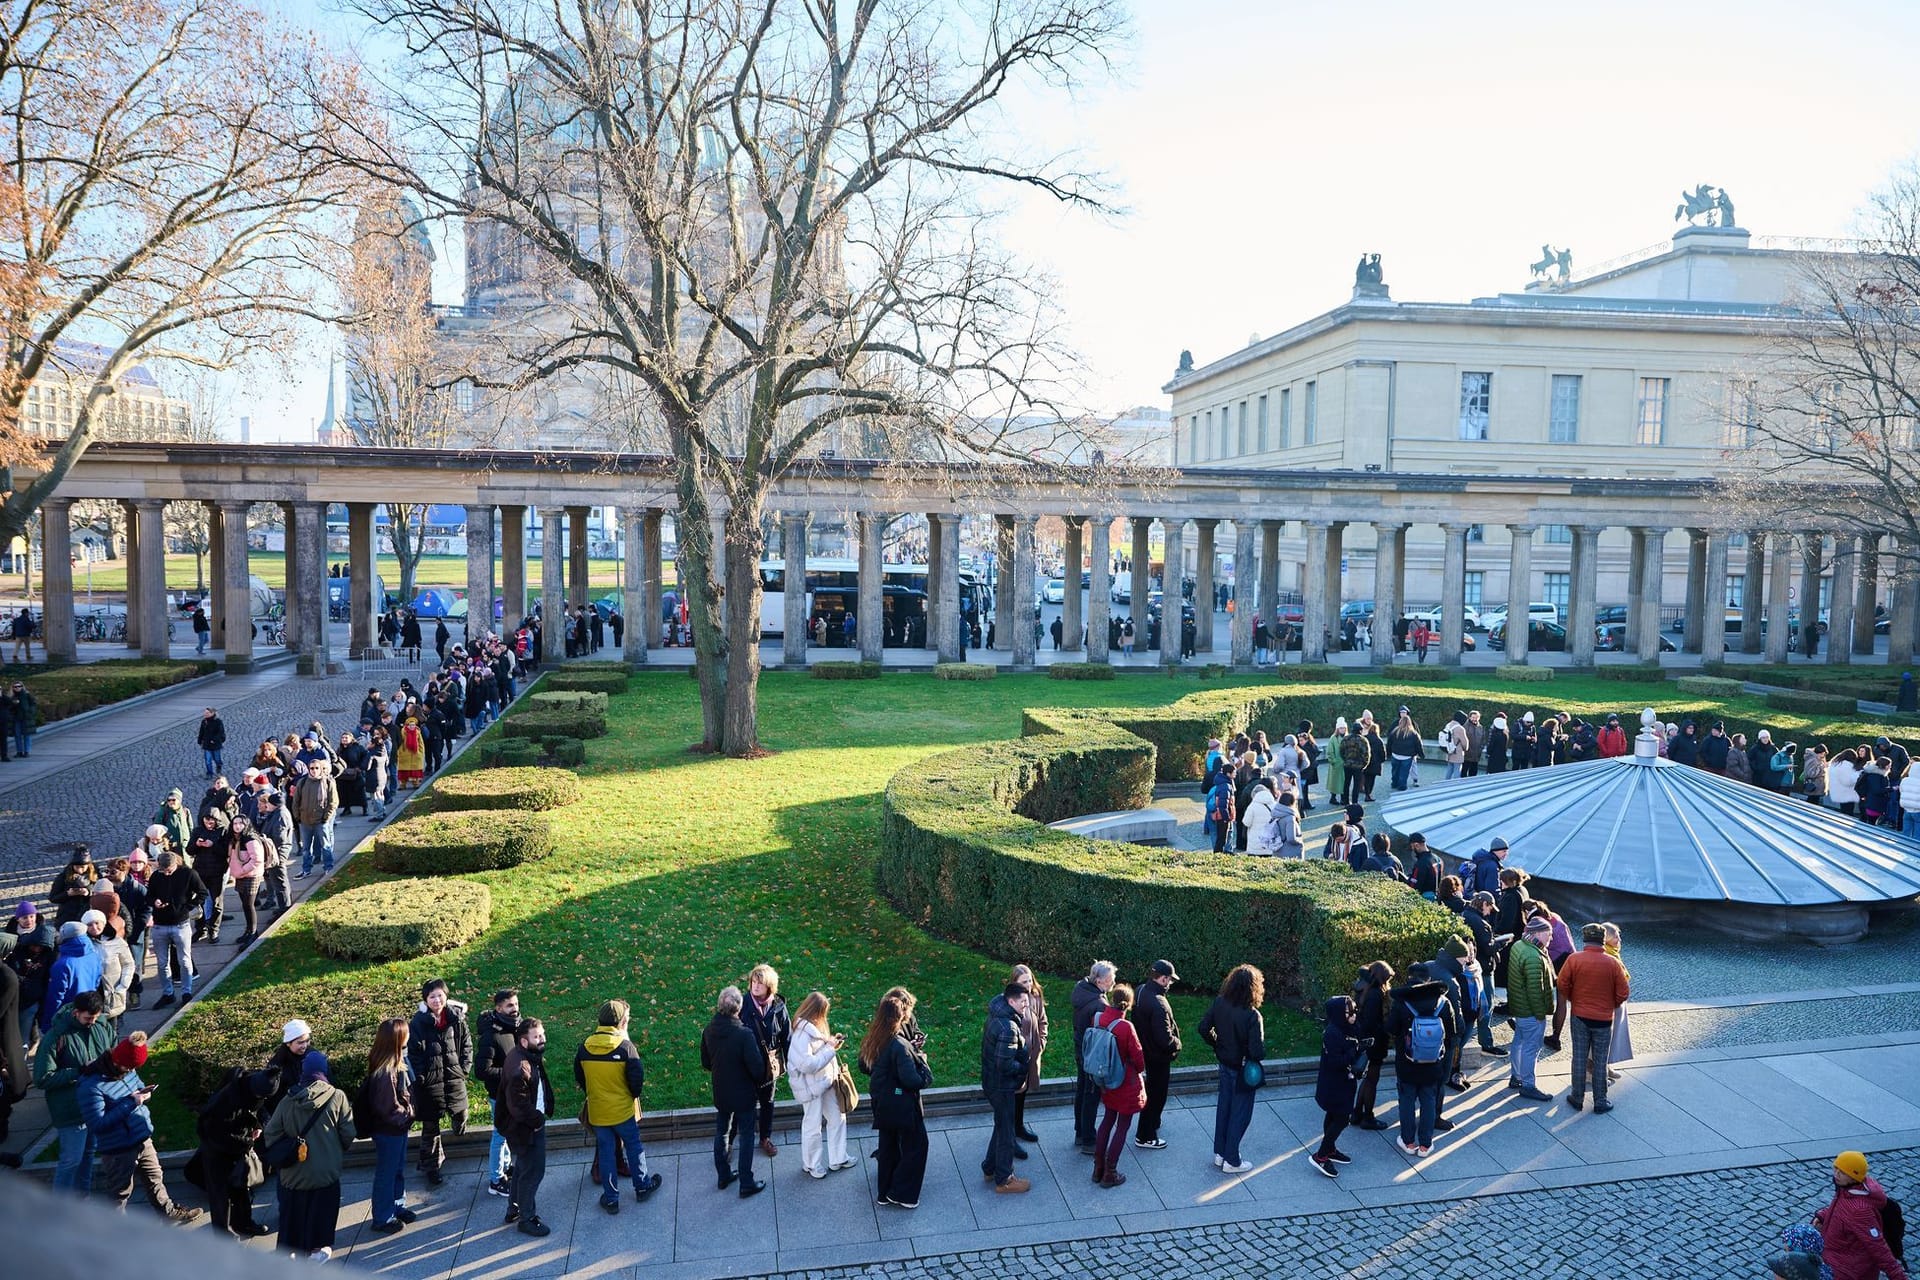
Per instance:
{"type": "Point", "coordinates": [1100, 1057]}
{"type": "Point", "coordinates": [1427, 1037]}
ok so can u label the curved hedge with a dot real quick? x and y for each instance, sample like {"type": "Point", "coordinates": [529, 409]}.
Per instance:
{"type": "Point", "coordinates": [508, 788]}
{"type": "Point", "coordinates": [452, 843]}
{"type": "Point", "coordinates": [398, 918]}
{"type": "Point", "coordinates": [585, 682]}
{"type": "Point", "coordinates": [549, 722]}
{"type": "Point", "coordinates": [963, 853]}
{"type": "Point", "coordinates": [344, 1009]}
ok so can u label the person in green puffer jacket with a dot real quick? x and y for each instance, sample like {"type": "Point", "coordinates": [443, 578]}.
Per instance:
{"type": "Point", "coordinates": [1531, 996]}
{"type": "Point", "coordinates": [77, 1037]}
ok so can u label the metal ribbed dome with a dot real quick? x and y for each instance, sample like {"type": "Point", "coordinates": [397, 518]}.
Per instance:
{"type": "Point", "coordinates": [1665, 830]}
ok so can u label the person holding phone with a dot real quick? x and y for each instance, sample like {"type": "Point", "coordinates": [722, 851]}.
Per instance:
{"type": "Point", "coordinates": [813, 1064]}
{"type": "Point", "coordinates": [113, 1103]}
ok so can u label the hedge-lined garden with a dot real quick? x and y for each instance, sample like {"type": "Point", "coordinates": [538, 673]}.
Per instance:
{"type": "Point", "coordinates": [64, 692]}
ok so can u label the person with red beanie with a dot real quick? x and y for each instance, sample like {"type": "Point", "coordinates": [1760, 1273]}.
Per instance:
{"type": "Point", "coordinates": [113, 1102]}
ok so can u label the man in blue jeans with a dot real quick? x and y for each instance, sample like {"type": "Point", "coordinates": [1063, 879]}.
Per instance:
{"type": "Point", "coordinates": [1089, 998]}
{"type": "Point", "coordinates": [213, 741]}
{"type": "Point", "coordinates": [732, 1054]}
{"type": "Point", "coordinates": [608, 1067]}
{"type": "Point", "coordinates": [1003, 1071]}
{"type": "Point", "coordinates": [1423, 1025]}
{"type": "Point", "coordinates": [315, 802]}
{"type": "Point", "coordinates": [76, 1038]}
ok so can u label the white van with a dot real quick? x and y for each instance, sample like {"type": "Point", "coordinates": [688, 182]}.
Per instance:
{"type": "Point", "coordinates": [1537, 611]}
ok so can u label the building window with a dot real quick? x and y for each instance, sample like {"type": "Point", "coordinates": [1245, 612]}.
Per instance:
{"type": "Point", "coordinates": [1244, 442]}
{"type": "Point", "coordinates": [1650, 425]}
{"type": "Point", "coordinates": [1310, 413]}
{"type": "Point", "coordinates": [1736, 541]}
{"type": "Point", "coordinates": [463, 396]}
{"type": "Point", "coordinates": [1286, 417]}
{"type": "Point", "coordinates": [1559, 534]}
{"type": "Point", "coordinates": [1193, 438]}
{"type": "Point", "coordinates": [1475, 580]}
{"type": "Point", "coordinates": [1563, 420]}
{"type": "Point", "coordinates": [1226, 431]}
{"type": "Point", "coordinates": [1558, 587]}
{"type": "Point", "coordinates": [1476, 403]}
{"type": "Point", "coordinates": [1476, 533]}
{"type": "Point", "coordinates": [1262, 426]}
{"type": "Point", "coordinates": [1736, 591]}
{"type": "Point", "coordinates": [1209, 452]}
{"type": "Point", "coordinates": [1743, 414]}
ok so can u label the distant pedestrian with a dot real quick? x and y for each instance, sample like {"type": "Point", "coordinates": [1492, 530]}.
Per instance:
{"type": "Point", "coordinates": [898, 1073]}
{"type": "Point", "coordinates": [202, 629]}
{"type": "Point", "coordinates": [1233, 1028]}
{"type": "Point", "coordinates": [212, 737]}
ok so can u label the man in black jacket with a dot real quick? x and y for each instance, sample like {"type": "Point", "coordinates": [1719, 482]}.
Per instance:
{"type": "Point", "coordinates": [1152, 1017]}
{"type": "Point", "coordinates": [526, 1106]}
{"type": "Point", "coordinates": [1420, 1051]}
{"type": "Point", "coordinates": [1089, 998]}
{"type": "Point", "coordinates": [213, 740]}
{"type": "Point", "coordinates": [739, 1067]}
{"type": "Point", "coordinates": [174, 891]}
{"type": "Point", "coordinates": [494, 1032]}
{"type": "Point", "coordinates": [1003, 1070]}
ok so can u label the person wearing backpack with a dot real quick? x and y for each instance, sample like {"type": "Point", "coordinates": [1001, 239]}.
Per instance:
{"type": "Point", "coordinates": [1422, 1025]}
{"type": "Point", "coordinates": [1003, 1072]}
{"type": "Point", "coordinates": [1123, 1065]}
{"type": "Point", "coordinates": [1233, 1028]}
{"type": "Point", "coordinates": [1089, 997]}
{"type": "Point", "coordinates": [1859, 1224]}
{"type": "Point", "coordinates": [386, 1108]}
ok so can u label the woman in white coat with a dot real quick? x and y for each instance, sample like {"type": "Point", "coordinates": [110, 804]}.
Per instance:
{"type": "Point", "coordinates": [812, 1066]}
{"type": "Point", "coordinates": [1261, 809]}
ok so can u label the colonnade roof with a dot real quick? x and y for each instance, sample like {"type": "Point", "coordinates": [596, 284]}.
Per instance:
{"type": "Point", "coordinates": [323, 473]}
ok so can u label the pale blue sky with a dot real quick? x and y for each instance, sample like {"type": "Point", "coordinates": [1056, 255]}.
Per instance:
{"type": "Point", "coordinates": [1257, 148]}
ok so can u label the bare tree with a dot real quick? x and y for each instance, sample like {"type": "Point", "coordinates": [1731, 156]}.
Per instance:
{"type": "Point", "coordinates": [765, 213]}
{"type": "Point", "coordinates": [167, 169]}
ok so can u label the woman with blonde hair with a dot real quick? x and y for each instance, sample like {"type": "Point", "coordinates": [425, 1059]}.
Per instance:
{"type": "Point", "coordinates": [390, 1099]}
{"type": "Point", "coordinates": [813, 1064]}
{"type": "Point", "coordinates": [1620, 1048]}
{"type": "Point", "coordinates": [764, 1013]}
{"type": "Point", "coordinates": [1033, 1027]}
{"type": "Point", "coordinates": [897, 1067]}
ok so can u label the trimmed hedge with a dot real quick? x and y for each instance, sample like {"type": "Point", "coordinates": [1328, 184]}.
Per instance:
{"type": "Point", "coordinates": [585, 682]}
{"type": "Point", "coordinates": [554, 722]}
{"type": "Point", "coordinates": [454, 843]}
{"type": "Point", "coordinates": [592, 704]}
{"type": "Point", "coordinates": [1630, 673]}
{"type": "Point", "coordinates": [1304, 673]}
{"type": "Point", "coordinates": [563, 752]}
{"type": "Point", "coordinates": [394, 919]}
{"type": "Point", "coordinates": [1523, 674]}
{"type": "Point", "coordinates": [64, 692]}
{"type": "Point", "coordinates": [1080, 671]}
{"type": "Point", "coordinates": [1421, 673]}
{"type": "Point", "coordinates": [1709, 686]}
{"type": "Point", "coordinates": [964, 671]}
{"type": "Point", "coordinates": [1814, 703]}
{"type": "Point", "coordinates": [1876, 683]}
{"type": "Point", "coordinates": [513, 788]}
{"type": "Point", "coordinates": [864, 670]}
{"type": "Point", "coordinates": [508, 753]}
{"type": "Point", "coordinates": [964, 853]}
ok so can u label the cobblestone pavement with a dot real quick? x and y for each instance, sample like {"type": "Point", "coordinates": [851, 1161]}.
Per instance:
{"type": "Point", "coordinates": [1701, 1225]}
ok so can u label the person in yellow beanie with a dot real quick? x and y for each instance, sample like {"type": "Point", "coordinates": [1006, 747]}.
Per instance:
{"type": "Point", "coordinates": [1854, 1224]}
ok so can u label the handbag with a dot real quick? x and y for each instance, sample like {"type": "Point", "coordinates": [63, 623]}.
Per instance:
{"type": "Point", "coordinates": [845, 1092]}
{"type": "Point", "coordinates": [249, 1172]}
{"type": "Point", "coordinates": [291, 1149]}
{"type": "Point", "coordinates": [1253, 1073]}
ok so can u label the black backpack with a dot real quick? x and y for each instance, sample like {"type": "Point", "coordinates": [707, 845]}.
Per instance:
{"type": "Point", "coordinates": [363, 1117]}
{"type": "Point", "coordinates": [1893, 1225]}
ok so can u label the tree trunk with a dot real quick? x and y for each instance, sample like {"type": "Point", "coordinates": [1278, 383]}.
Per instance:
{"type": "Point", "coordinates": [746, 539]}
{"type": "Point", "coordinates": [400, 537]}
{"type": "Point", "coordinates": [704, 610]}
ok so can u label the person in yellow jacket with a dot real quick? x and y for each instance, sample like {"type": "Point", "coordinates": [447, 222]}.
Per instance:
{"type": "Point", "coordinates": [608, 1067]}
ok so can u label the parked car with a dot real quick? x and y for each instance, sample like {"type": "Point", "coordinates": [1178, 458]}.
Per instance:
{"type": "Point", "coordinates": [1612, 613]}
{"type": "Point", "coordinates": [1542, 637]}
{"type": "Point", "coordinates": [1611, 637]}
{"type": "Point", "coordinates": [1433, 616]}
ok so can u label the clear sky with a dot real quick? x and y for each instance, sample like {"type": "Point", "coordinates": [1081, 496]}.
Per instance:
{"type": "Point", "coordinates": [1256, 148]}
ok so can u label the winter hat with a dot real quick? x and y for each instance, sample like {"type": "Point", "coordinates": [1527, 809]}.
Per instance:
{"type": "Point", "coordinates": [131, 1053]}
{"type": "Point", "coordinates": [1498, 844]}
{"type": "Point", "coordinates": [90, 917]}
{"type": "Point", "coordinates": [262, 1083]}
{"type": "Point", "coordinates": [1853, 1164]}
{"type": "Point", "coordinates": [172, 795]}
{"type": "Point", "coordinates": [294, 1030]}
{"type": "Point", "coordinates": [156, 832]}
{"type": "Point", "coordinates": [24, 910]}
{"type": "Point", "coordinates": [1802, 1237]}
{"type": "Point", "coordinates": [1527, 718]}
{"type": "Point", "coordinates": [1795, 1266]}
{"type": "Point", "coordinates": [314, 1066]}
{"type": "Point", "coordinates": [102, 885]}
{"type": "Point", "coordinates": [72, 929]}
{"type": "Point", "coordinates": [1457, 947]}
{"type": "Point", "coordinates": [1540, 925]}
{"type": "Point", "coordinates": [1500, 723]}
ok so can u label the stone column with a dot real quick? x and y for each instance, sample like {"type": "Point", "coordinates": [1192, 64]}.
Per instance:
{"type": "Point", "coordinates": [513, 567]}
{"type": "Point", "coordinates": [236, 586]}
{"type": "Point", "coordinates": [577, 560]}
{"type": "Point", "coordinates": [310, 535]}
{"type": "Point", "coordinates": [1900, 610]}
{"type": "Point", "coordinates": [1070, 610]}
{"type": "Point", "coordinates": [1813, 548]}
{"type": "Point", "coordinates": [1865, 599]}
{"type": "Point", "coordinates": [360, 576]}
{"type": "Point", "coordinates": [1582, 599]}
{"type": "Point", "coordinates": [1206, 571]}
{"type": "Point", "coordinates": [946, 622]}
{"type": "Point", "coordinates": [216, 557]}
{"type": "Point", "coordinates": [56, 579]}
{"type": "Point", "coordinates": [479, 570]}
{"type": "Point", "coordinates": [1003, 599]}
{"type": "Point", "coordinates": [1779, 586]}
{"type": "Point", "coordinates": [653, 575]}
{"type": "Point", "coordinates": [1389, 540]}
{"type": "Point", "coordinates": [1753, 597]}
{"type": "Point", "coordinates": [934, 585]}
{"type": "Point", "coordinates": [292, 627]}
{"type": "Point", "coordinates": [1246, 592]}
{"type": "Point", "coordinates": [1840, 615]}
{"type": "Point", "coordinates": [1269, 611]}
{"type": "Point", "coordinates": [1453, 594]}
{"type": "Point", "coordinates": [1172, 551]}
{"type": "Point", "coordinates": [1636, 585]}
{"type": "Point", "coordinates": [1314, 622]}
{"type": "Point", "coordinates": [553, 640]}
{"type": "Point", "coordinates": [1713, 626]}
{"type": "Point", "coordinates": [793, 551]}
{"type": "Point", "coordinates": [1519, 590]}
{"type": "Point", "coordinates": [1100, 589]}
{"type": "Point", "coordinates": [872, 619]}
{"type": "Point", "coordinates": [1142, 587]}
{"type": "Point", "coordinates": [633, 587]}
{"type": "Point", "coordinates": [1696, 605]}
{"type": "Point", "coordinates": [129, 515]}
{"type": "Point", "coordinates": [1643, 624]}
{"type": "Point", "coordinates": [1023, 642]}
{"type": "Point", "coordinates": [1330, 576]}
{"type": "Point", "coordinates": [152, 566]}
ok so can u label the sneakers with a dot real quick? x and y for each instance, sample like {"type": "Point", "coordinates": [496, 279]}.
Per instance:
{"type": "Point", "coordinates": [646, 1187]}
{"type": "Point", "coordinates": [844, 1164]}
{"type": "Point", "coordinates": [1339, 1157]}
{"type": "Point", "coordinates": [1493, 1051]}
{"type": "Point", "coordinates": [1151, 1144]}
{"type": "Point", "coordinates": [1407, 1147]}
{"type": "Point", "coordinates": [1026, 1135]}
{"type": "Point", "coordinates": [165, 1001]}
{"type": "Point", "coordinates": [1601, 1108]}
{"type": "Point", "coordinates": [754, 1188]}
{"type": "Point", "coordinates": [390, 1227]}
{"type": "Point", "coordinates": [1533, 1095]}
{"type": "Point", "coordinates": [1425, 1152]}
{"type": "Point", "coordinates": [1218, 1163]}
{"type": "Point", "coordinates": [534, 1227]}
{"type": "Point", "coordinates": [1245, 1166]}
{"type": "Point", "coordinates": [891, 1203]}
{"type": "Point", "coordinates": [610, 1204]}
{"type": "Point", "coordinates": [405, 1214]}
{"type": "Point", "coordinates": [180, 1215]}
{"type": "Point", "coordinates": [500, 1187]}
{"type": "Point", "coordinates": [1015, 1186]}
{"type": "Point", "coordinates": [320, 1255]}
{"type": "Point", "coordinates": [814, 1173]}
{"type": "Point", "coordinates": [1324, 1166]}
{"type": "Point", "coordinates": [1513, 1082]}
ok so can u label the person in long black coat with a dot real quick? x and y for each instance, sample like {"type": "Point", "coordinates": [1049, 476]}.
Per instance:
{"type": "Point", "coordinates": [229, 1126]}
{"type": "Point", "coordinates": [1343, 1061]}
{"type": "Point", "coordinates": [440, 1052]}
{"type": "Point", "coordinates": [410, 635]}
{"type": "Point", "coordinates": [1371, 1025]}
{"type": "Point", "coordinates": [731, 1053]}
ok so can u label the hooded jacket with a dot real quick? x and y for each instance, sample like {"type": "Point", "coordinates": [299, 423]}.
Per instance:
{"type": "Point", "coordinates": [1342, 1060]}
{"type": "Point", "coordinates": [1713, 751]}
{"type": "Point", "coordinates": [65, 1050]}
{"type": "Point", "coordinates": [113, 1112]}
{"type": "Point", "coordinates": [607, 1066]}
{"type": "Point", "coordinates": [1481, 873]}
{"type": "Point", "coordinates": [327, 1139]}
{"type": "Point", "coordinates": [1612, 740]}
{"type": "Point", "coordinates": [1425, 999]}
{"type": "Point", "coordinates": [76, 968]}
{"type": "Point", "coordinates": [1498, 744]}
{"type": "Point", "coordinates": [1856, 1243]}
{"type": "Point", "coordinates": [441, 1058]}
{"type": "Point", "coordinates": [117, 972]}
{"type": "Point", "coordinates": [1003, 1049]}
{"type": "Point", "coordinates": [234, 1115]}
{"type": "Point", "coordinates": [495, 1034]}
{"type": "Point", "coordinates": [1259, 818]}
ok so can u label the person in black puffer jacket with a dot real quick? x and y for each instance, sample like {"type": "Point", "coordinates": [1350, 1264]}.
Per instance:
{"type": "Point", "coordinates": [440, 1051]}
{"type": "Point", "coordinates": [1003, 1073]}
{"type": "Point", "coordinates": [1420, 1080]}
{"type": "Point", "coordinates": [1371, 996]}
{"type": "Point", "coordinates": [1235, 1032]}
{"type": "Point", "coordinates": [229, 1127]}
{"type": "Point", "coordinates": [494, 1033]}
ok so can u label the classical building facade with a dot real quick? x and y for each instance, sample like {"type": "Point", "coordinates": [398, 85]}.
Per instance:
{"type": "Point", "coordinates": [139, 409]}
{"type": "Point", "coordinates": [1643, 369]}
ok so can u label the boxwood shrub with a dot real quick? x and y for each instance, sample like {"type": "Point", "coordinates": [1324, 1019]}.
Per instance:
{"type": "Point", "coordinates": [1080, 671]}
{"type": "Point", "coordinates": [1710, 686]}
{"type": "Point", "coordinates": [593, 704]}
{"type": "Point", "coordinates": [517, 788]}
{"type": "Point", "coordinates": [393, 919]}
{"type": "Point", "coordinates": [1814, 703]}
{"type": "Point", "coordinates": [546, 722]}
{"type": "Point", "coordinates": [1630, 672]}
{"type": "Point", "coordinates": [864, 670]}
{"type": "Point", "coordinates": [1422, 673]}
{"type": "Point", "coordinates": [1305, 673]}
{"type": "Point", "coordinates": [508, 753]}
{"type": "Point", "coordinates": [570, 681]}
{"type": "Point", "coordinates": [563, 752]}
{"type": "Point", "coordinates": [1521, 674]}
{"type": "Point", "coordinates": [964, 853]}
{"type": "Point", "coordinates": [964, 671]}
{"type": "Point", "coordinates": [452, 843]}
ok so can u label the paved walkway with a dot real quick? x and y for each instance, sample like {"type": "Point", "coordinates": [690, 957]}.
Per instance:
{"type": "Point", "coordinates": [1686, 1114]}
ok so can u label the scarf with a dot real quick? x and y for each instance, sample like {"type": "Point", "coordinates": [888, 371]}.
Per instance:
{"type": "Point", "coordinates": [1613, 949]}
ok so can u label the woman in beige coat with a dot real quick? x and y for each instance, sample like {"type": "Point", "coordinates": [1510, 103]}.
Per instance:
{"type": "Point", "coordinates": [1033, 1027]}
